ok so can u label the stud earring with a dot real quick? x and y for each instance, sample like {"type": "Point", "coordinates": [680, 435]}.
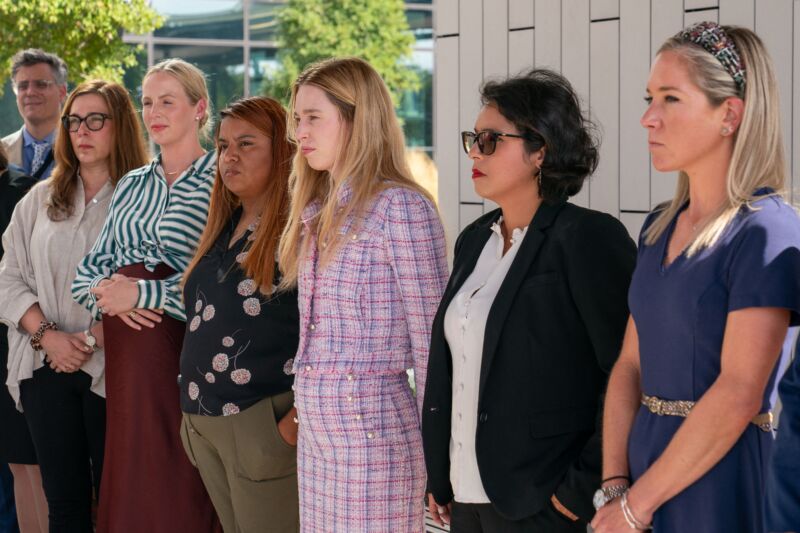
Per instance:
{"type": "Point", "coordinates": [725, 131]}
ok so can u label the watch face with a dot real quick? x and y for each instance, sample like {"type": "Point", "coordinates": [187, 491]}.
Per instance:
{"type": "Point", "coordinates": [599, 499]}
{"type": "Point", "coordinates": [90, 340]}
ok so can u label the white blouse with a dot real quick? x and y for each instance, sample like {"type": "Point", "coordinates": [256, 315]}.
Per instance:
{"type": "Point", "coordinates": [464, 327]}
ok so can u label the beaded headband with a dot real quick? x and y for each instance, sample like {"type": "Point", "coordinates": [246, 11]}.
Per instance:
{"type": "Point", "coordinates": [716, 42]}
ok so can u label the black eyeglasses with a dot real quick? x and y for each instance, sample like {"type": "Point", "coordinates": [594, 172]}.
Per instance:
{"type": "Point", "coordinates": [487, 140]}
{"type": "Point", "coordinates": [94, 122]}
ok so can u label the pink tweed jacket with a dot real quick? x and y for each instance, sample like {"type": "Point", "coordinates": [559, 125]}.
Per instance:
{"type": "Point", "coordinates": [364, 319]}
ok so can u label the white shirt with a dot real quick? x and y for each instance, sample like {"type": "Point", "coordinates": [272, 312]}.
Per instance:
{"type": "Point", "coordinates": [464, 327]}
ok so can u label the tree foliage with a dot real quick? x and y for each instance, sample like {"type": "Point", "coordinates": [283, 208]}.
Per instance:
{"type": "Point", "coordinates": [375, 30]}
{"type": "Point", "coordinates": [86, 34]}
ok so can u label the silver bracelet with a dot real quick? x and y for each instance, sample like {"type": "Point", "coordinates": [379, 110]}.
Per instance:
{"type": "Point", "coordinates": [630, 518]}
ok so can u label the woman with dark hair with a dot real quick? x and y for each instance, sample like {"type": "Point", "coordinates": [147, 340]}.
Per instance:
{"type": "Point", "coordinates": [238, 415]}
{"type": "Point", "coordinates": [56, 361]}
{"type": "Point", "coordinates": [529, 326]}
{"type": "Point", "coordinates": [687, 415]}
{"type": "Point", "coordinates": [16, 447]}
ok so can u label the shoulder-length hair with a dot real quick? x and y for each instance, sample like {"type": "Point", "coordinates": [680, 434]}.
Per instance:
{"type": "Point", "coordinates": [127, 148]}
{"type": "Point", "coordinates": [758, 159]}
{"type": "Point", "coordinates": [371, 157]}
{"type": "Point", "coordinates": [269, 117]}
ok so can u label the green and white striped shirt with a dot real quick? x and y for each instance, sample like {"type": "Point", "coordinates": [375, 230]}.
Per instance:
{"type": "Point", "coordinates": [150, 222]}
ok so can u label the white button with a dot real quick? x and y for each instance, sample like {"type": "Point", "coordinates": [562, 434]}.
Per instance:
{"type": "Point", "coordinates": [293, 387]}
{"type": "Point", "coordinates": [308, 368]}
{"type": "Point", "coordinates": [459, 416]}
{"type": "Point", "coordinates": [349, 377]}
{"type": "Point", "coordinates": [370, 435]}
{"type": "Point", "coordinates": [355, 236]}
{"type": "Point", "coordinates": [461, 386]}
{"type": "Point", "coordinates": [460, 446]}
{"type": "Point", "coordinates": [94, 200]}
{"type": "Point", "coordinates": [312, 327]}
{"type": "Point", "coordinates": [358, 417]}
{"type": "Point", "coordinates": [349, 398]}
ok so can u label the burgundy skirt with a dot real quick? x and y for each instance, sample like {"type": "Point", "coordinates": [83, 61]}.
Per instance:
{"type": "Point", "coordinates": [148, 483]}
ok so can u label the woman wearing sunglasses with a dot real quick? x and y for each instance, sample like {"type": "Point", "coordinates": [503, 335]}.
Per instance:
{"type": "Point", "coordinates": [530, 324]}
{"type": "Point", "coordinates": [56, 364]}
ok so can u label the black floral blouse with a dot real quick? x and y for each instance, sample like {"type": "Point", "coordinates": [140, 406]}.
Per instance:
{"type": "Point", "coordinates": [239, 344]}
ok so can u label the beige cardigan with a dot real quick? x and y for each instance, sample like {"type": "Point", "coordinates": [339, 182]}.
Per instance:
{"type": "Point", "coordinates": [39, 264]}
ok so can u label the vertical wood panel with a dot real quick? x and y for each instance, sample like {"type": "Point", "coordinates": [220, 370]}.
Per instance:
{"type": "Point", "coordinates": [520, 14]}
{"type": "Point", "coordinates": [547, 46]}
{"type": "Point", "coordinates": [575, 65]}
{"type": "Point", "coordinates": [634, 67]}
{"type": "Point", "coordinates": [605, 9]}
{"type": "Point", "coordinates": [495, 38]}
{"type": "Point", "coordinates": [470, 63]}
{"type": "Point", "coordinates": [446, 122]}
{"type": "Point", "coordinates": [633, 222]}
{"type": "Point", "coordinates": [446, 17]}
{"type": "Point", "coordinates": [666, 19]}
{"type": "Point", "coordinates": [520, 50]}
{"type": "Point", "coordinates": [700, 16]}
{"type": "Point", "coordinates": [467, 214]}
{"type": "Point", "coordinates": [604, 104]}
{"type": "Point", "coordinates": [738, 13]}
{"type": "Point", "coordinates": [700, 4]}
{"type": "Point", "coordinates": [774, 21]}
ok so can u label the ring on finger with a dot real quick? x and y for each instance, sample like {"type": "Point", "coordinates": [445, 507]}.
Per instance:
{"type": "Point", "coordinates": [133, 314]}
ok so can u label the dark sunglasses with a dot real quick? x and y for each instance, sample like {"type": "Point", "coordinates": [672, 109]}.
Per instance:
{"type": "Point", "coordinates": [94, 122]}
{"type": "Point", "coordinates": [487, 140]}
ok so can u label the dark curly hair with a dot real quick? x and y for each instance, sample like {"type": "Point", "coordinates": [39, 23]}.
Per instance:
{"type": "Point", "coordinates": [544, 108]}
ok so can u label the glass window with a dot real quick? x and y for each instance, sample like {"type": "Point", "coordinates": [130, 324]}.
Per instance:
{"type": "Point", "coordinates": [262, 61]}
{"type": "Point", "coordinates": [416, 107]}
{"type": "Point", "coordinates": [201, 19]}
{"type": "Point", "coordinates": [421, 23]}
{"type": "Point", "coordinates": [263, 20]}
{"type": "Point", "coordinates": [223, 66]}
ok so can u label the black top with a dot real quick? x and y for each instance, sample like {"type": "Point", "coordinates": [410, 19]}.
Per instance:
{"type": "Point", "coordinates": [15, 440]}
{"type": "Point", "coordinates": [239, 344]}
{"type": "Point", "coordinates": [552, 335]}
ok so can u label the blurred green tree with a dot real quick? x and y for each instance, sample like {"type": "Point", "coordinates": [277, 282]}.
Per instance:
{"type": "Point", "coordinates": [374, 30]}
{"type": "Point", "coordinates": [87, 35]}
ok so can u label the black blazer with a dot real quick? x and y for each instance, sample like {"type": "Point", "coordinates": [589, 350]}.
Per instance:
{"type": "Point", "coordinates": [552, 335]}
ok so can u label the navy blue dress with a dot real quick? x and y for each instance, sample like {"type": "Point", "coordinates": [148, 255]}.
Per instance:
{"type": "Point", "coordinates": [680, 311]}
{"type": "Point", "coordinates": [783, 479]}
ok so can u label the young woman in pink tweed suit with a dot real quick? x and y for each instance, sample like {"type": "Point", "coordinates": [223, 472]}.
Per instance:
{"type": "Point", "coordinates": [365, 246]}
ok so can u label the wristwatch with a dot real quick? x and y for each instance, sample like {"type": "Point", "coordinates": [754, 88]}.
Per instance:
{"type": "Point", "coordinates": [604, 495]}
{"type": "Point", "coordinates": [91, 340]}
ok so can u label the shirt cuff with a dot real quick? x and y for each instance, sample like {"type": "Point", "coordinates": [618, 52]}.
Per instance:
{"type": "Point", "coordinates": [150, 294]}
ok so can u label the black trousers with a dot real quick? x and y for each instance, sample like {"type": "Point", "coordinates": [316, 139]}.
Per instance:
{"type": "Point", "coordinates": [483, 518]}
{"type": "Point", "coordinates": [67, 422]}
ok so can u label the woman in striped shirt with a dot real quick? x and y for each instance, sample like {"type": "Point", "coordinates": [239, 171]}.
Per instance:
{"type": "Point", "coordinates": [132, 276]}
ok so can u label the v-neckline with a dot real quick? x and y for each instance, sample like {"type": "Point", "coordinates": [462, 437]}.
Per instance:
{"type": "Point", "coordinates": [665, 267]}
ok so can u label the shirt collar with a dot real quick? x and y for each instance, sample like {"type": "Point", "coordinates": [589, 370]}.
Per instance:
{"type": "Point", "coordinates": [30, 139]}
{"type": "Point", "coordinates": [517, 234]}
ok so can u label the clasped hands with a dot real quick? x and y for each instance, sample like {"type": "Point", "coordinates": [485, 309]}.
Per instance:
{"type": "Point", "coordinates": [118, 296]}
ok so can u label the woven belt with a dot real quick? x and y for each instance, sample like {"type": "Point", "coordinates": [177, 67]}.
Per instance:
{"type": "Point", "coordinates": [681, 408]}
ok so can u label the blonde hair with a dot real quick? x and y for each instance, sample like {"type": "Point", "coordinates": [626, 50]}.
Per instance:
{"type": "Point", "coordinates": [758, 159]}
{"type": "Point", "coordinates": [193, 81]}
{"type": "Point", "coordinates": [371, 157]}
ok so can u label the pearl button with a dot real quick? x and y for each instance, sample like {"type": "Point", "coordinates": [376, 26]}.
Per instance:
{"type": "Point", "coordinates": [370, 435]}
{"type": "Point", "coordinates": [355, 236]}
{"type": "Point", "coordinates": [349, 398]}
{"type": "Point", "coordinates": [308, 368]}
{"type": "Point", "coordinates": [460, 445]}
{"type": "Point", "coordinates": [349, 377]}
{"type": "Point", "coordinates": [358, 417]}
{"type": "Point", "coordinates": [312, 327]}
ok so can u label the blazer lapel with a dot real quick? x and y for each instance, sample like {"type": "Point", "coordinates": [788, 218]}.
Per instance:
{"type": "Point", "coordinates": [526, 254]}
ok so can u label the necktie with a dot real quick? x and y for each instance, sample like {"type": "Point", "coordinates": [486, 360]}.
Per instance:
{"type": "Point", "coordinates": [39, 151]}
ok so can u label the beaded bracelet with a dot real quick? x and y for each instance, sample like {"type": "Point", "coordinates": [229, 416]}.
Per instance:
{"type": "Point", "coordinates": [36, 338]}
